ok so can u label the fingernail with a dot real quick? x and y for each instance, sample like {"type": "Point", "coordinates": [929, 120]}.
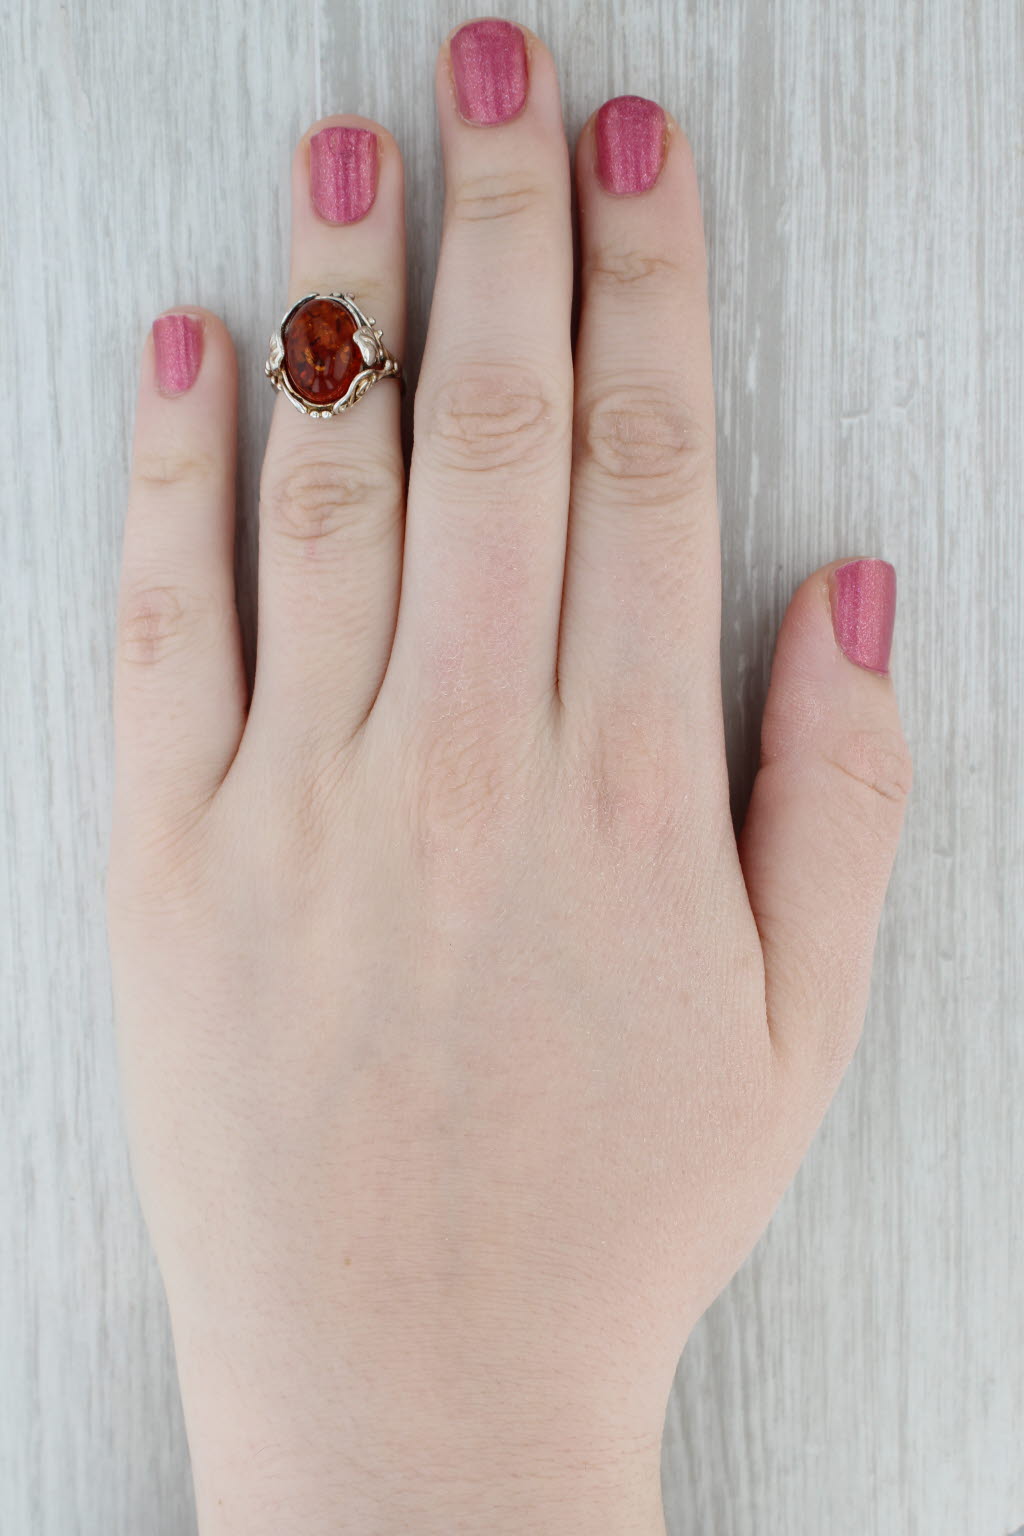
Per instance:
{"type": "Point", "coordinates": [489, 69]}
{"type": "Point", "coordinates": [630, 135]}
{"type": "Point", "coordinates": [178, 343]}
{"type": "Point", "coordinates": [343, 173]}
{"type": "Point", "coordinates": [863, 611]}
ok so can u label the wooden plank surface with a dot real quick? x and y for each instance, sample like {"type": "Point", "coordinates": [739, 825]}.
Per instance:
{"type": "Point", "coordinates": [863, 175]}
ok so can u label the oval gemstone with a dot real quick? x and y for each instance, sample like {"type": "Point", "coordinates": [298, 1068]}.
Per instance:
{"type": "Point", "coordinates": [320, 356]}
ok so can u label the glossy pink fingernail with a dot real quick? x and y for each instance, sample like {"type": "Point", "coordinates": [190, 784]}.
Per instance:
{"type": "Point", "coordinates": [343, 173]}
{"type": "Point", "coordinates": [178, 344]}
{"type": "Point", "coordinates": [864, 610]}
{"type": "Point", "coordinates": [489, 69]}
{"type": "Point", "coordinates": [630, 137]}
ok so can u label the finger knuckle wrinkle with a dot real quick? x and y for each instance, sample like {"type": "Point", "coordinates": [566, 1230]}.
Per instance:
{"type": "Point", "coordinates": [495, 196]}
{"type": "Point", "coordinates": [160, 471]}
{"type": "Point", "coordinates": [154, 622]}
{"type": "Point", "coordinates": [487, 419]}
{"type": "Point", "coordinates": [878, 761]}
{"type": "Point", "coordinates": [460, 787]}
{"type": "Point", "coordinates": [312, 503]}
{"type": "Point", "coordinates": [634, 788]}
{"type": "Point", "coordinates": [619, 268]}
{"type": "Point", "coordinates": [642, 439]}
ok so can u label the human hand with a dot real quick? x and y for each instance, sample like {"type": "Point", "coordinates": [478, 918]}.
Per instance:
{"type": "Point", "coordinates": [465, 1055]}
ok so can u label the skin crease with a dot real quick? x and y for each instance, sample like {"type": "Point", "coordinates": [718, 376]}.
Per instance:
{"type": "Point", "coordinates": [465, 1051]}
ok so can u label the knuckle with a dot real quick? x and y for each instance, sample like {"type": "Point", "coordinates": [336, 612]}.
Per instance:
{"type": "Point", "coordinates": [489, 418]}
{"type": "Point", "coordinates": [496, 195]}
{"type": "Point", "coordinates": [467, 765]}
{"type": "Point", "coordinates": [618, 269]}
{"type": "Point", "coordinates": [458, 788]}
{"type": "Point", "coordinates": [877, 761]}
{"type": "Point", "coordinates": [168, 470]}
{"type": "Point", "coordinates": [312, 502]}
{"type": "Point", "coordinates": [634, 785]}
{"type": "Point", "coordinates": [643, 441]}
{"type": "Point", "coordinates": [155, 622]}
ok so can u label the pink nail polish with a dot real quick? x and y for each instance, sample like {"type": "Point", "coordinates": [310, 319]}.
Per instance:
{"type": "Point", "coordinates": [489, 69]}
{"type": "Point", "coordinates": [863, 611]}
{"type": "Point", "coordinates": [630, 136]}
{"type": "Point", "coordinates": [178, 344]}
{"type": "Point", "coordinates": [343, 173]}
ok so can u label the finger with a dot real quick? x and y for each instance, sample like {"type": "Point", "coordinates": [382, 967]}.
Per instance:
{"type": "Point", "coordinates": [826, 810]}
{"type": "Point", "coordinates": [180, 690]}
{"type": "Point", "coordinates": [642, 589]}
{"type": "Point", "coordinates": [485, 538]}
{"type": "Point", "coordinates": [331, 491]}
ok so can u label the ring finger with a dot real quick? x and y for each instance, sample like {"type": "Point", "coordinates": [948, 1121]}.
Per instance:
{"type": "Point", "coordinates": [331, 491]}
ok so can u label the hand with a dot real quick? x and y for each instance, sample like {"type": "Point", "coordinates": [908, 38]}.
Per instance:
{"type": "Point", "coordinates": [465, 1055]}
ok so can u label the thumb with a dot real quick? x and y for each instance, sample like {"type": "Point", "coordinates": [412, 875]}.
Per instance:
{"type": "Point", "coordinates": [827, 805]}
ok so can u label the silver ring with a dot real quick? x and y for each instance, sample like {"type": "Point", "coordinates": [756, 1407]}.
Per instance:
{"type": "Point", "coordinates": [327, 353]}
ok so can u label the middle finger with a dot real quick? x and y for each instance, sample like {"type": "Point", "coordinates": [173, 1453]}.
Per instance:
{"type": "Point", "coordinates": [488, 494]}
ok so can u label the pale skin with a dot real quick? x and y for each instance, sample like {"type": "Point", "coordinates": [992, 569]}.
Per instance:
{"type": "Point", "coordinates": [466, 1051]}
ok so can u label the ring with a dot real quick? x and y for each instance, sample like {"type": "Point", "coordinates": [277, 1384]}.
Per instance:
{"type": "Point", "coordinates": [327, 353]}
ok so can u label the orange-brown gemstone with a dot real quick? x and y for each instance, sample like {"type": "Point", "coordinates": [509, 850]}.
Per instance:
{"type": "Point", "coordinates": [320, 356]}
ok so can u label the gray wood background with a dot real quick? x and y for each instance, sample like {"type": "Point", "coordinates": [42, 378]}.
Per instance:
{"type": "Point", "coordinates": [863, 172]}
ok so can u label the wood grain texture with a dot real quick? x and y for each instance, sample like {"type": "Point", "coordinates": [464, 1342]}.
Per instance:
{"type": "Point", "coordinates": [863, 175]}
